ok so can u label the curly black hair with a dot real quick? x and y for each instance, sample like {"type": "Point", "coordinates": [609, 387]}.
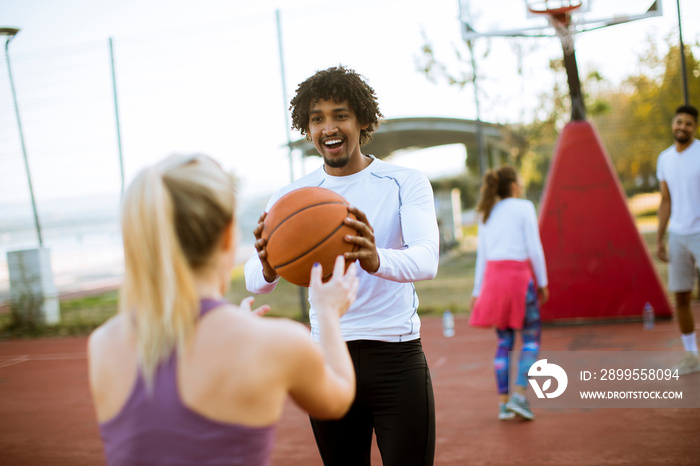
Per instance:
{"type": "Point", "coordinates": [337, 84]}
{"type": "Point", "coordinates": [688, 109]}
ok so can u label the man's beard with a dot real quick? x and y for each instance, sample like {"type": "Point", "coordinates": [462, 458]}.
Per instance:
{"type": "Point", "coordinates": [682, 138]}
{"type": "Point", "coordinates": [337, 162]}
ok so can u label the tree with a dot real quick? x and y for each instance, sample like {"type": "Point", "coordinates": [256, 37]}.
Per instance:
{"type": "Point", "coordinates": [633, 119]}
{"type": "Point", "coordinates": [531, 144]}
{"type": "Point", "coordinates": [637, 128]}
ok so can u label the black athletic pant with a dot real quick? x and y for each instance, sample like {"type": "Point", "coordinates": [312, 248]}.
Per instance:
{"type": "Point", "coordinates": [394, 398]}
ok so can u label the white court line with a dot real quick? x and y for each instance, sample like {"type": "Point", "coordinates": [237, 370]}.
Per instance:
{"type": "Point", "coordinates": [440, 362]}
{"type": "Point", "coordinates": [12, 360]}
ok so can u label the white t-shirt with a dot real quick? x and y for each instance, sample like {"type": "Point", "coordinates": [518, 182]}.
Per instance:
{"type": "Point", "coordinates": [399, 205]}
{"type": "Point", "coordinates": [681, 172]}
{"type": "Point", "coordinates": [511, 233]}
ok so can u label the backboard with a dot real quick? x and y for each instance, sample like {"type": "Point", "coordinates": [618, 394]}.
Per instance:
{"type": "Point", "coordinates": [511, 18]}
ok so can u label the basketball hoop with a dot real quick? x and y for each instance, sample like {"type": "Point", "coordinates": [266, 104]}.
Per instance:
{"type": "Point", "coordinates": [558, 13]}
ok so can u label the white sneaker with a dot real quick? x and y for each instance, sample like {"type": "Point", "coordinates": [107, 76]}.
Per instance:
{"type": "Point", "coordinates": [688, 365]}
{"type": "Point", "coordinates": [503, 413]}
{"type": "Point", "coordinates": [520, 406]}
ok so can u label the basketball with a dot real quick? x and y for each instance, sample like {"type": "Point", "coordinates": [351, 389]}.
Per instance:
{"type": "Point", "coordinates": [306, 226]}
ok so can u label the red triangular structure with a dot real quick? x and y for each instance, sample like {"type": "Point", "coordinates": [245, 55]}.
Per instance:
{"type": "Point", "coordinates": [598, 265]}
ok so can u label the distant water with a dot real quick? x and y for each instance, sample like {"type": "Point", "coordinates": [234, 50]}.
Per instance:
{"type": "Point", "coordinates": [84, 237]}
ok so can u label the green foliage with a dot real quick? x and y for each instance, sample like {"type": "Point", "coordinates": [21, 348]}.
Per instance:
{"type": "Point", "coordinates": [26, 313]}
{"type": "Point", "coordinates": [637, 128]}
{"type": "Point", "coordinates": [451, 289]}
{"type": "Point", "coordinates": [79, 316]}
{"type": "Point", "coordinates": [632, 119]}
{"type": "Point", "coordinates": [284, 301]}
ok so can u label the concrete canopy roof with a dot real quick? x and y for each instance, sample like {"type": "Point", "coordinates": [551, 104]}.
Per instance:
{"type": "Point", "coordinates": [399, 134]}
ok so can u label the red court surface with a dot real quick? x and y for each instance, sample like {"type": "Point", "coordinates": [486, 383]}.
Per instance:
{"type": "Point", "coordinates": [46, 417]}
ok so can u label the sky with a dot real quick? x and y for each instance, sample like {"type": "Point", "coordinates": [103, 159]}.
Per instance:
{"type": "Point", "coordinates": [205, 76]}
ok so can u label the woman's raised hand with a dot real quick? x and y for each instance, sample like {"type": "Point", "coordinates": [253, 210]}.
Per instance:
{"type": "Point", "coordinates": [339, 292]}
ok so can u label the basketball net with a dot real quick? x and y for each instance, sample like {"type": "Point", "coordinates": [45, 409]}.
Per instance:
{"type": "Point", "coordinates": [559, 15]}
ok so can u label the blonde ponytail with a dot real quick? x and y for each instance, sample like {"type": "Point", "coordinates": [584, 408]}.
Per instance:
{"type": "Point", "coordinates": [159, 295]}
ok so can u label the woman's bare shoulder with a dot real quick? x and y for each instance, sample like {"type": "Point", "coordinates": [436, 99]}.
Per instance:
{"type": "Point", "coordinates": [107, 335]}
{"type": "Point", "coordinates": [270, 347]}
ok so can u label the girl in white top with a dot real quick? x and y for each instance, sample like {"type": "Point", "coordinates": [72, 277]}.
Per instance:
{"type": "Point", "coordinates": [510, 234]}
{"type": "Point", "coordinates": [510, 280]}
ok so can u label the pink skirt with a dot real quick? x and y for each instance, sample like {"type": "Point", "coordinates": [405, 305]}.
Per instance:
{"type": "Point", "coordinates": [501, 303]}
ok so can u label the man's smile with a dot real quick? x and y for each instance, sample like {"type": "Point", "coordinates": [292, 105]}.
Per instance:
{"type": "Point", "coordinates": [333, 145]}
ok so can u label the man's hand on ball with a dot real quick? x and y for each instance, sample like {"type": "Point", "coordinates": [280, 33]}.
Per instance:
{"type": "Point", "coordinates": [260, 243]}
{"type": "Point", "coordinates": [366, 253]}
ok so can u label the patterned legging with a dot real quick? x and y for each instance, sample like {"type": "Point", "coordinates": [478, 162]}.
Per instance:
{"type": "Point", "coordinates": [531, 334]}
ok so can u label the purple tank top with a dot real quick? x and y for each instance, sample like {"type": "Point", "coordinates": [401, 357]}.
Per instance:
{"type": "Point", "coordinates": [159, 429]}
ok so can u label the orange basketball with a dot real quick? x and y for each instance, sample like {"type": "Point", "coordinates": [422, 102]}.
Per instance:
{"type": "Point", "coordinates": [306, 226]}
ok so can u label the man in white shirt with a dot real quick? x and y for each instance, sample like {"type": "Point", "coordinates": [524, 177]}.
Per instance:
{"type": "Point", "coordinates": [398, 245]}
{"type": "Point", "coordinates": [678, 171]}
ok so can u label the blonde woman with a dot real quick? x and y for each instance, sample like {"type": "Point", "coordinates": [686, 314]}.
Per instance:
{"type": "Point", "coordinates": [180, 376]}
{"type": "Point", "coordinates": [510, 281]}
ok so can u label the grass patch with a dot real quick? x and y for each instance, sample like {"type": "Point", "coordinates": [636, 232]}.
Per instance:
{"type": "Point", "coordinates": [470, 230]}
{"type": "Point", "coordinates": [79, 316]}
{"type": "Point", "coordinates": [645, 204]}
{"type": "Point", "coordinates": [451, 289]}
{"type": "Point", "coordinates": [284, 301]}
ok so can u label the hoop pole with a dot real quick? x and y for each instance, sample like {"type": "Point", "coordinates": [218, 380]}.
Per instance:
{"type": "Point", "coordinates": [562, 17]}
{"type": "Point", "coordinates": [302, 291]}
{"type": "Point", "coordinates": [483, 163]}
{"type": "Point", "coordinates": [578, 108]}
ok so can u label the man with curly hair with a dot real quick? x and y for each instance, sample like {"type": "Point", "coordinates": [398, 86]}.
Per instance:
{"type": "Point", "coordinates": [397, 245]}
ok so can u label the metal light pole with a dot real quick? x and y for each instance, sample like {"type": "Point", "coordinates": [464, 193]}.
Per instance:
{"type": "Point", "coordinates": [116, 115]}
{"type": "Point", "coordinates": [684, 76]}
{"type": "Point", "coordinates": [33, 294]}
{"type": "Point", "coordinates": [10, 33]}
{"type": "Point", "coordinates": [481, 153]}
{"type": "Point", "coordinates": [284, 91]}
{"type": "Point", "coordinates": [302, 290]}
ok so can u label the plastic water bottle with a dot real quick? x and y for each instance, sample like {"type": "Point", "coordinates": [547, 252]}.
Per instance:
{"type": "Point", "coordinates": [448, 324]}
{"type": "Point", "coordinates": [648, 316]}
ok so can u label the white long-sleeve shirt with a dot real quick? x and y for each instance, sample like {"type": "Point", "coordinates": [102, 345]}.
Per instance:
{"type": "Point", "coordinates": [511, 233]}
{"type": "Point", "coordinates": [400, 208]}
